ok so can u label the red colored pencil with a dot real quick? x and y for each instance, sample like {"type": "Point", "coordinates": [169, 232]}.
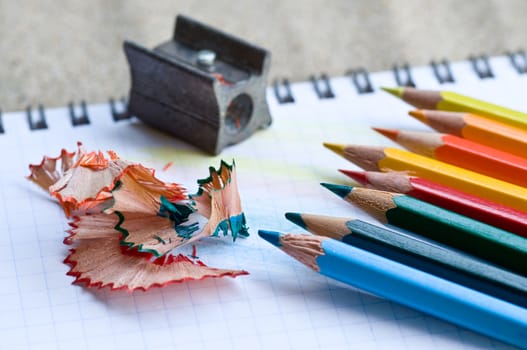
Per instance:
{"type": "Point", "coordinates": [448, 198]}
{"type": "Point", "coordinates": [463, 153]}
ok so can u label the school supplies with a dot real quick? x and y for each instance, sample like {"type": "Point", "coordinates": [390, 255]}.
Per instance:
{"type": "Point", "coordinates": [487, 242]}
{"type": "Point", "coordinates": [476, 128]}
{"type": "Point", "coordinates": [452, 101]}
{"type": "Point", "coordinates": [420, 253]}
{"type": "Point", "coordinates": [394, 159]}
{"type": "Point", "coordinates": [203, 86]}
{"type": "Point", "coordinates": [462, 153]}
{"type": "Point", "coordinates": [282, 168]}
{"type": "Point", "coordinates": [405, 285]}
{"type": "Point", "coordinates": [477, 208]}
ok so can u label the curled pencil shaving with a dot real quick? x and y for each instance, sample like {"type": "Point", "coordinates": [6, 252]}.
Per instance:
{"type": "Point", "coordinates": [87, 183]}
{"type": "Point", "coordinates": [99, 259]}
{"type": "Point", "coordinates": [218, 200]}
{"type": "Point", "coordinates": [97, 226]}
{"type": "Point", "coordinates": [129, 244]}
{"type": "Point", "coordinates": [148, 221]}
{"type": "Point", "coordinates": [102, 262]}
{"type": "Point", "coordinates": [46, 173]}
{"type": "Point", "coordinates": [151, 223]}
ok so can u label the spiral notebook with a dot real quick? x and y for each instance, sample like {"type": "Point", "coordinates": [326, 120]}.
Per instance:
{"type": "Point", "coordinates": [281, 304]}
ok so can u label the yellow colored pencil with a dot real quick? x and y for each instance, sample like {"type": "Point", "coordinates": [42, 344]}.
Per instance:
{"type": "Point", "coordinates": [452, 101]}
{"type": "Point", "coordinates": [392, 159]}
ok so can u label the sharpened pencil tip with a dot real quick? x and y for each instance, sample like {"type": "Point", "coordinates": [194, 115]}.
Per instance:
{"type": "Point", "coordinates": [338, 149]}
{"type": "Point", "coordinates": [339, 190]}
{"type": "Point", "coordinates": [389, 133]}
{"type": "Point", "coordinates": [296, 219]}
{"type": "Point", "coordinates": [272, 237]}
{"type": "Point", "coordinates": [359, 176]}
{"type": "Point", "coordinates": [394, 91]}
{"type": "Point", "coordinates": [419, 114]}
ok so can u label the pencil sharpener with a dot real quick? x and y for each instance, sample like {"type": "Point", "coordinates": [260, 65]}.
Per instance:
{"type": "Point", "coordinates": [203, 86]}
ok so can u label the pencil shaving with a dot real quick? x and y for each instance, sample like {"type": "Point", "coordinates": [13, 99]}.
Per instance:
{"type": "Point", "coordinates": [102, 262]}
{"type": "Point", "coordinates": [127, 223]}
{"type": "Point", "coordinates": [218, 200]}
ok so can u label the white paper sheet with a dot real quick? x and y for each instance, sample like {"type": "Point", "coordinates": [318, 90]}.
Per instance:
{"type": "Point", "coordinates": [281, 304]}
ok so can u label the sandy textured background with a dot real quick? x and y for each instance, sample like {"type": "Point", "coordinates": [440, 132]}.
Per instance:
{"type": "Point", "coordinates": [56, 51]}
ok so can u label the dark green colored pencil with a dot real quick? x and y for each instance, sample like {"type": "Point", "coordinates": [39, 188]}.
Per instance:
{"type": "Point", "coordinates": [484, 241]}
{"type": "Point", "coordinates": [420, 253]}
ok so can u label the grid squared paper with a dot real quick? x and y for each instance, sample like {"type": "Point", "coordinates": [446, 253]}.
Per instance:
{"type": "Point", "coordinates": [281, 304]}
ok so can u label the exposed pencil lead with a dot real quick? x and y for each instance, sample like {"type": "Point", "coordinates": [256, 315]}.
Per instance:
{"type": "Point", "coordinates": [339, 190]}
{"type": "Point", "coordinates": [359, 176]}
{"type": "Point", "coordinates": [272, 237]}
{"type": "Point", "coordinates": [394, 91]}
{"type": "Point", "coordinates": [296, 219]}
{"type": "Point", "coordinates": [419, 114]}
{"type": "Point", "coordinates": [339, 149]}
{"type": "Point", "coordinates": [389, 133]}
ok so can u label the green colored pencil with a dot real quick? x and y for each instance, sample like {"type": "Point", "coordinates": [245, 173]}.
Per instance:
{"type": "Point", "coordinates": [487, 242]}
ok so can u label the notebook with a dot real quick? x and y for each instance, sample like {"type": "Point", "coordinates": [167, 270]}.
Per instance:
{"type": "Point", "coordinates": [281, 304]}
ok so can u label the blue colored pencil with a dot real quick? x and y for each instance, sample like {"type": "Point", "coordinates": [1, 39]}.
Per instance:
{"type": "Point", "coordinates": [406, 285]}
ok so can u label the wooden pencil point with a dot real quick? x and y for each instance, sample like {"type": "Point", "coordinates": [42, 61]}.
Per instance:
{"type": "Point", "coordinates": [398, 92]}
{"type": "Point", "coordinates": [389, 133]}
{"type": "Point", "coordinates": [327, 226]}
{"type": "Point", "coordinates": [374, 202]}
{"type": "Point", "coordinates": [338, 149]}
{"type": "Point", "coordinates": [365, 157]}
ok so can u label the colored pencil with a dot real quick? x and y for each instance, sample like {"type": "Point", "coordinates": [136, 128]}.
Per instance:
{"type": "Point", "coordinates": [452, 101]}
{"type": "Point", "coordinates": [476, 128]}
{"type": "Point", "coordinates": [421, 254]}
{"type": "Point", "coordinates": [479, 239]}
{"type": "Point", "coordinates": [405, 285]}
{"type": "Point", "coordinates": [393, 159]}
{"type": "Point", "coordinates": [477, 208]}
{"type": "Point", "coordinates": [462, 153]}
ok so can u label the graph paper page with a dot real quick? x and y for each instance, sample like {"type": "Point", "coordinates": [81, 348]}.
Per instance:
{"type": "Point", "coordinates": [281, 304]}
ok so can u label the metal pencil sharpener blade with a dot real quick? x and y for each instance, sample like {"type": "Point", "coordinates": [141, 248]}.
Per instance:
{"type": "Point", "coordinates": [203, 86]}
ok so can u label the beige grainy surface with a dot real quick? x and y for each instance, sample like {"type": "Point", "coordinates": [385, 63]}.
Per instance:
{"type": "Point", "coordinates": [56, 51]}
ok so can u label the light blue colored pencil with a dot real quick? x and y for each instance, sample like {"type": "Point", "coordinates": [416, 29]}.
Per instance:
{"type": "Point", "coordinates": [408, 286]}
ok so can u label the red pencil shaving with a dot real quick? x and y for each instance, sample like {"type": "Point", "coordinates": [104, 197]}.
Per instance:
{"type": "Point", "coordinates": [128, 226]}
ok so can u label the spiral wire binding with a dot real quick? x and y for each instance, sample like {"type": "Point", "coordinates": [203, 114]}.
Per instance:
{"type": "Point", "coordinates": [83, 118]}
{"type": "Point", "coordinates": [1, 125]}
{"type": "Point", "coordinates": [403, 75]}
{"type": "Point", "coordinates": [481, 66]}
{"type": "Point", "coordinates": [361, 79]}
{"type": "Point", "coordinates": [322, 86]}
{"type": "Point", "coordinates": [38, 124]}
{"type": "Point", "coordinates": [442, 71]}
{"type": "Point", "coordinates": [519, 61]}
{"type": "Point", "coordinates": [282, 91]}
{"type": "Point", "coordinates": [116, 115]}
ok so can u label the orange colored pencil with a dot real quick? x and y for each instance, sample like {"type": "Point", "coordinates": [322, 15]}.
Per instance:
{"type": "Point", "coordinates": [393, 159]}
{"type": "Point", "coordinates": [463, 153]}
{"type": "Point", "coordinates": [476, 128]}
